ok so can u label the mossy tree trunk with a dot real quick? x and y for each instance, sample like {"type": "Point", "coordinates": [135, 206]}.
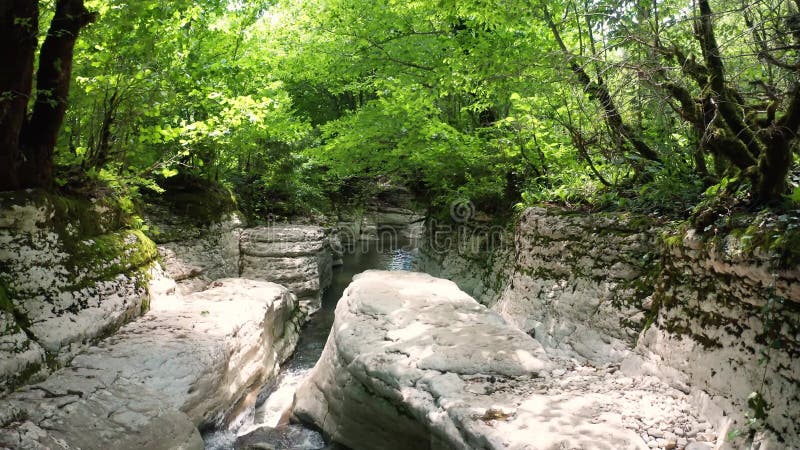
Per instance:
{"type": "Point", "coordinates": [760, 148]}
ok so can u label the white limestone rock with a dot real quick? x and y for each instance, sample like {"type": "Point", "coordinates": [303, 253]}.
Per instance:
{"type": "Point", "coordinates": [90, 409]}
{"type": "Point", "coordinates": [190, 362]}
{"type": "Point", "coordinates": [65, 282]}
{"type": "Point", "coordinates": [609, 289]}
{"type": "Point", "coordinates": [413, 362]}
{"type": "Point", "coordinates": [203, 255]}
{"type": "Point", "coordinates": [207, 351]}
{"type": "Point", "coordinates": [296, 256]}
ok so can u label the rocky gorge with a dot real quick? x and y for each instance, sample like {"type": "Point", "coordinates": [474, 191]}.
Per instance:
{"type": "Point", "coordinates": [102, 343]}
{"type": "Point", "coordinates": [564, 331]}
{"type": "Point", "coordinates": [712, 315]}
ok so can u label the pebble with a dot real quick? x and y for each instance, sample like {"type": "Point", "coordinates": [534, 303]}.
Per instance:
{"type": "Point", "coordinates": [655, 433]}
{"type": "Point", "coordinates": [699, 446]}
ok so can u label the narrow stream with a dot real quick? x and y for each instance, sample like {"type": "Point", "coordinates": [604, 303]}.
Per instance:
{"type": "Point", "coordinates": [388, 253]}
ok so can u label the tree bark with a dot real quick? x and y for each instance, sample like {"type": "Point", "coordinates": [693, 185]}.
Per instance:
{"type": "Point", "coordinates": [52, 91]}
{"type": "Point", "coordinates": [19, 22]}
{"type": "Point", "coordinates": [599, 91]}
{"type": "Point", "coordinates": [726, 104]}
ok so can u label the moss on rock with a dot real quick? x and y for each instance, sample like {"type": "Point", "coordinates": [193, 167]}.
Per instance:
{"type": "Point", "coordinates": [110, 254]}
{"type": "Point", "coordinates": [65, 255]}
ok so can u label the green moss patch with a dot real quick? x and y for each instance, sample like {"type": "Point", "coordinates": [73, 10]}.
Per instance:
{"type": "Point", "coordinates": [106, 256]}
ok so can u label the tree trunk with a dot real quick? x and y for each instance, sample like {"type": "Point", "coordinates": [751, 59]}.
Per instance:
{"type": "Point", "coordinates": [52, 91]}
{"type": "Point", "coordinates": [774, 165]}
{"type": "Point", "coordinates": [599, 91]}
{"type": "Point", "coordinates": [19, 21]}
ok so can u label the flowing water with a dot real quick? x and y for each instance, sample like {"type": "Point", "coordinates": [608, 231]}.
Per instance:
{"type": "Point", "coordinates": [388, 253]}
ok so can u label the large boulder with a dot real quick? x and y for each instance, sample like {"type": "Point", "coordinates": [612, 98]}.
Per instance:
{"type": "Point", "coordinates": [296, 256]}
{"type": "Point", "coordinates": [396, 370]}
{"type": "Point", "coordinates": [195, 360]}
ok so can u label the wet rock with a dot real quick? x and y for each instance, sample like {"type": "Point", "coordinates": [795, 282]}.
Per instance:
{"type": "Point", "coordinates": [290, 437]}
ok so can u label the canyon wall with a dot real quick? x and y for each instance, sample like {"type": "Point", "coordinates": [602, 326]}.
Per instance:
{"type": "Point", "coordinates": [715, 315]}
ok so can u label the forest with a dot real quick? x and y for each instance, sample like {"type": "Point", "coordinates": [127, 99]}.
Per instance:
{"type": "Point", "coordinates": [400, 224]}
{"type": "Point", "coordinates": [676, 107]}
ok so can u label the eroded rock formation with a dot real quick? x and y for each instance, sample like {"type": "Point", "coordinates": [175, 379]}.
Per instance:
{"type": "Point", "coordinates": [296, 256]}
{"type": "Point", "coordinates": [191, 361]}
{"type": "Point", "coordinates": [414, 362]}
{"type": "Point", "coordinates": [713, 316]}
{"type": "Point", "coordinates": [73, 285]}
{"type": "Point", "coordinates": [71, 271]}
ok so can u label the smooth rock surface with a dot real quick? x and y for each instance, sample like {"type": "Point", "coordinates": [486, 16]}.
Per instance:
{"type": "Point", "coordinates": [207, 351]}
{"type": "Point", "coordinates": [413, 362]}
{"type": "Point", "coordinates": [191, 361]}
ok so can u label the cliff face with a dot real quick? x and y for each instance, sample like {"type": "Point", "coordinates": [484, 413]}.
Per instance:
{"type": "Point", "coordinates": [717, 316]}
{"type": "Point", "coordinates": [71, 271]}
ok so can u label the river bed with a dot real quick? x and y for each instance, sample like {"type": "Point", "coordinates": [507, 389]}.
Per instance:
{"type": "Point", "coordinates": [388, 253]}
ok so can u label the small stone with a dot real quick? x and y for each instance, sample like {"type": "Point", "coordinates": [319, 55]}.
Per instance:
{"type": "Point", "coordinates": [699, 446]}
{"type": "Point", "coordinates": [709, 436]}
{"type": "Point", "coordinates": [670, 445]}
{"type": "Point", "coordinates": [655, 433]}
{"type": "Point", "coordinates": [652, 444]}
{"type": "Point", "coordinates": [679, 432]}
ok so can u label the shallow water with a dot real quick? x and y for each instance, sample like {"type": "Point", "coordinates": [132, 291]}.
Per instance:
{"type": "Point", "coordinates": [389, 253]}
